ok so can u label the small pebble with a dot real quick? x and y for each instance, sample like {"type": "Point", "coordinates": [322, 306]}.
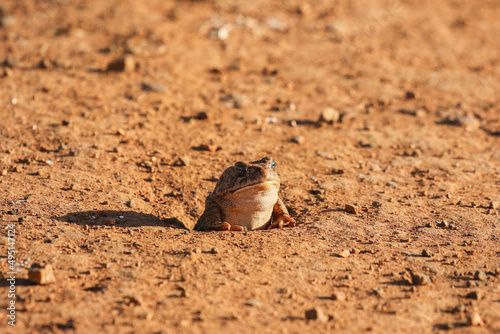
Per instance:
{"type": "Point", "coordinates": [3, 172]}
{"type": "Point", "coordinates": [124, 64]}
{"type": "Point", "coordinates": [474, 319]}
{"type": "Point", "coordinates": [214, 250]}
{"type": "Point", "coordinates": [459, 309]}
{"type": "Point", "coordinates": [316, 314]}
{"type": "Point", "coordinates": [202, 115]}
{"type": "Point", "coordinates": [420, 279]}
{"type": "Point", "coordinates": [329, 116]}
{"type": "Point", "coordinates": [426, 253]}
{"type": "Point", "coordinates": [480, 275]}
{"type": "Point", "coordinates": [339, 296]}
{"type": "Point", "coordinates": [476, 294]}
{"type": "Point", "coordinates": [254, 303]}
{"type": "Point", "coordinates": [349, 208]}
{"type": "Point", "coordinates": [297, 140]}
{"type": "Point", "coordinates": [148, 86]}
{"type": "Point", "coordinates": [183, 160]}
{"type": "Point", "coordinates": [41, 274]}
{"type": "Point", "coordinates": [345, 253]}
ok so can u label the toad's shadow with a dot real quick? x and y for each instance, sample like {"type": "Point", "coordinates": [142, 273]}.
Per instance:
{"type": "Point", "coordinates": [119, 219]}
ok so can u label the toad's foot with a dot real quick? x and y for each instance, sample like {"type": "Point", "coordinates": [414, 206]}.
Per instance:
{"type": "Point", "coordinates": [282, 221]}
{"type": "Point", "coordinates": [228, 227]}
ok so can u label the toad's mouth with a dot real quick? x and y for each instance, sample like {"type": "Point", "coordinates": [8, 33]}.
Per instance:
{"type": "Point", "coordinates": [258, 186]}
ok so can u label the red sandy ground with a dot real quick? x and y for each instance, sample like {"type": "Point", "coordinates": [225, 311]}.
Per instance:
{"type": "Point", "coordinates": [416, 83]}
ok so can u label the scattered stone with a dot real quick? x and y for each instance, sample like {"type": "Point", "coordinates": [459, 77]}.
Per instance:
{"type": "Point", "coordinates": [480, 275]}
{"type": "Point", "coordinates": [494, 205]}
{"type": "Point", "coordinates": [349, 208]}
{"type": "Point", "coordinates": [185, 293]}
{"type": "Point", "coordinates": [148, 86]}
{"type": "Point", "coordinates": [462, 119]}
{"type": "Point", "coordinates": [135, 203]}
{"type": "Point", "coordinates": [476, 294]}
{"type": "Point", "coordinates": [210, 148]}
{"type": "Point", "coordinates": [420, 279]}
{"type": "Point", "coordinates": [45, 64]}
{"type": "Point", "coordinates": [329, 116]}
{"type": "Point", "coordinates": [316, 314]}
{"type": "Point", "coordinates": [3, 172]}
{"type": "Point", "coordinates": [474, 319]}
{"type": "Point", "coordinates": [431, 225]}
{"type": "Point", "coordinates": [426, 253]}
{"type": "Point", "coordinates": [11, 63]}
{"type": "Point", "coordinates": [183, 160]}
{"type": "Point", "coordinates": [254, 303]}
{"type": "Point", "coordinates": [124, 64]}
{"type": "Point", "coordinates": [41, 274]}
{"type": "Point", "coordinates": [339, 296]}
{"type": "Point", "coordinates": [459, 309]}
{"type": "Point", "coordinates": [214, 250]}
{"type": "Point", "coordinates": [202, 115]}
{"type": "Point", "coordinates": [409, 95]}
{"type": "Point", "coordinates": [297, 140]}
{"type": "Point", "coordinates": [338, 171]}
{"type": "Point", "coordinates": [345, 253]}
{"type": "Point", "coordinates": [443, 223]}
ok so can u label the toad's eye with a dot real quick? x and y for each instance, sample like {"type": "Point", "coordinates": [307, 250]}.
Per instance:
{"type": "Point", "coordinates": [273, 165]}
{"type": "Point", "coordinates": [241, 169]}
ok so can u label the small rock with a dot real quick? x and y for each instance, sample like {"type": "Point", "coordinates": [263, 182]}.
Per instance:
{"type": "Point", "coordinates": [254, 303]}
{"type": "Point", "coordinates": [45, 64]}
{"type": "Point", "coordinates": [426, 253]}
{"type": "Point", "coordinates": [41, 274]}
{"type": "Point", "coordinates": [431, 225]}
{"type": "Point", "coordinates": [345, 253]}
{"type": "Point", "coordinates": [3, 172]}
{"type": "Point", "coordinates": [409, 95]}
{"type": "Point", "coordinates": [297, 140]}
{"type": "Point", "coordinates": [135, 203]}
{"type": "Point", "coordinates": [183, 160]}
{"type": "Point", "coordinates": [443, 223]}
{"type": "Point", "coordinates": [148, 86]}
{"type": "Point", "coordinates": [338, 171]}
{"type": "Point", "coordinates": [214, 250]}
{"type": "Point", "coordinates": [210, 148]}
{"type": "Point", "coordinates": [494, 205]}
{"type": "Point", "coordinates": [349, 208]}
{"type": "Point", "coordinates": [329, 116]}
{"type": "Point", "coordinates": [124, 64]}
{"type": "Point", "coordinates": [316, 314]}
{"type": "Point", "coordinates": [459, 309]}
{"type": "Point", "coordinates": [476, 294]}
{"type": "Point", "coordinates": [480, 275]}
{"type": "Point", "coordinates": [464, 119]}
{"type": "Point", "coordinates": [202, 115]}
{"type": "Point", "coordinates": [420, 279]}
{"type": "Point", "coordinates": [474, 319]}
{"type": "Point", "coordinates": [339, 296]}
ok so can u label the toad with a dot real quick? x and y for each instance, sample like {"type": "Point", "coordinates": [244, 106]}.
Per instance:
{"type": "Point", "coordinates": [246, 198]}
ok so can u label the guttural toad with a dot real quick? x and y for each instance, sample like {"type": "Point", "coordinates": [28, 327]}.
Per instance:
{"type": "Point", "coordinates": [246, 198]}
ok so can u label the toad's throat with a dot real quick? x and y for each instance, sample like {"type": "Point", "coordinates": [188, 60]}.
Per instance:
{"type": "Point", "coordinates": [258, 186]}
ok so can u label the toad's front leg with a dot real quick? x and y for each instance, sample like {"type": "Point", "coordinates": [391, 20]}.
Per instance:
{"type": "Point", "coordinates": [281, 217]}
{"type": "Point", "coordinates": [211, 219]}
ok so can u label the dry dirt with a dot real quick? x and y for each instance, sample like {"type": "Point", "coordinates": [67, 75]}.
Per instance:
{"type": "Point", "coordinates": [105, 165]}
